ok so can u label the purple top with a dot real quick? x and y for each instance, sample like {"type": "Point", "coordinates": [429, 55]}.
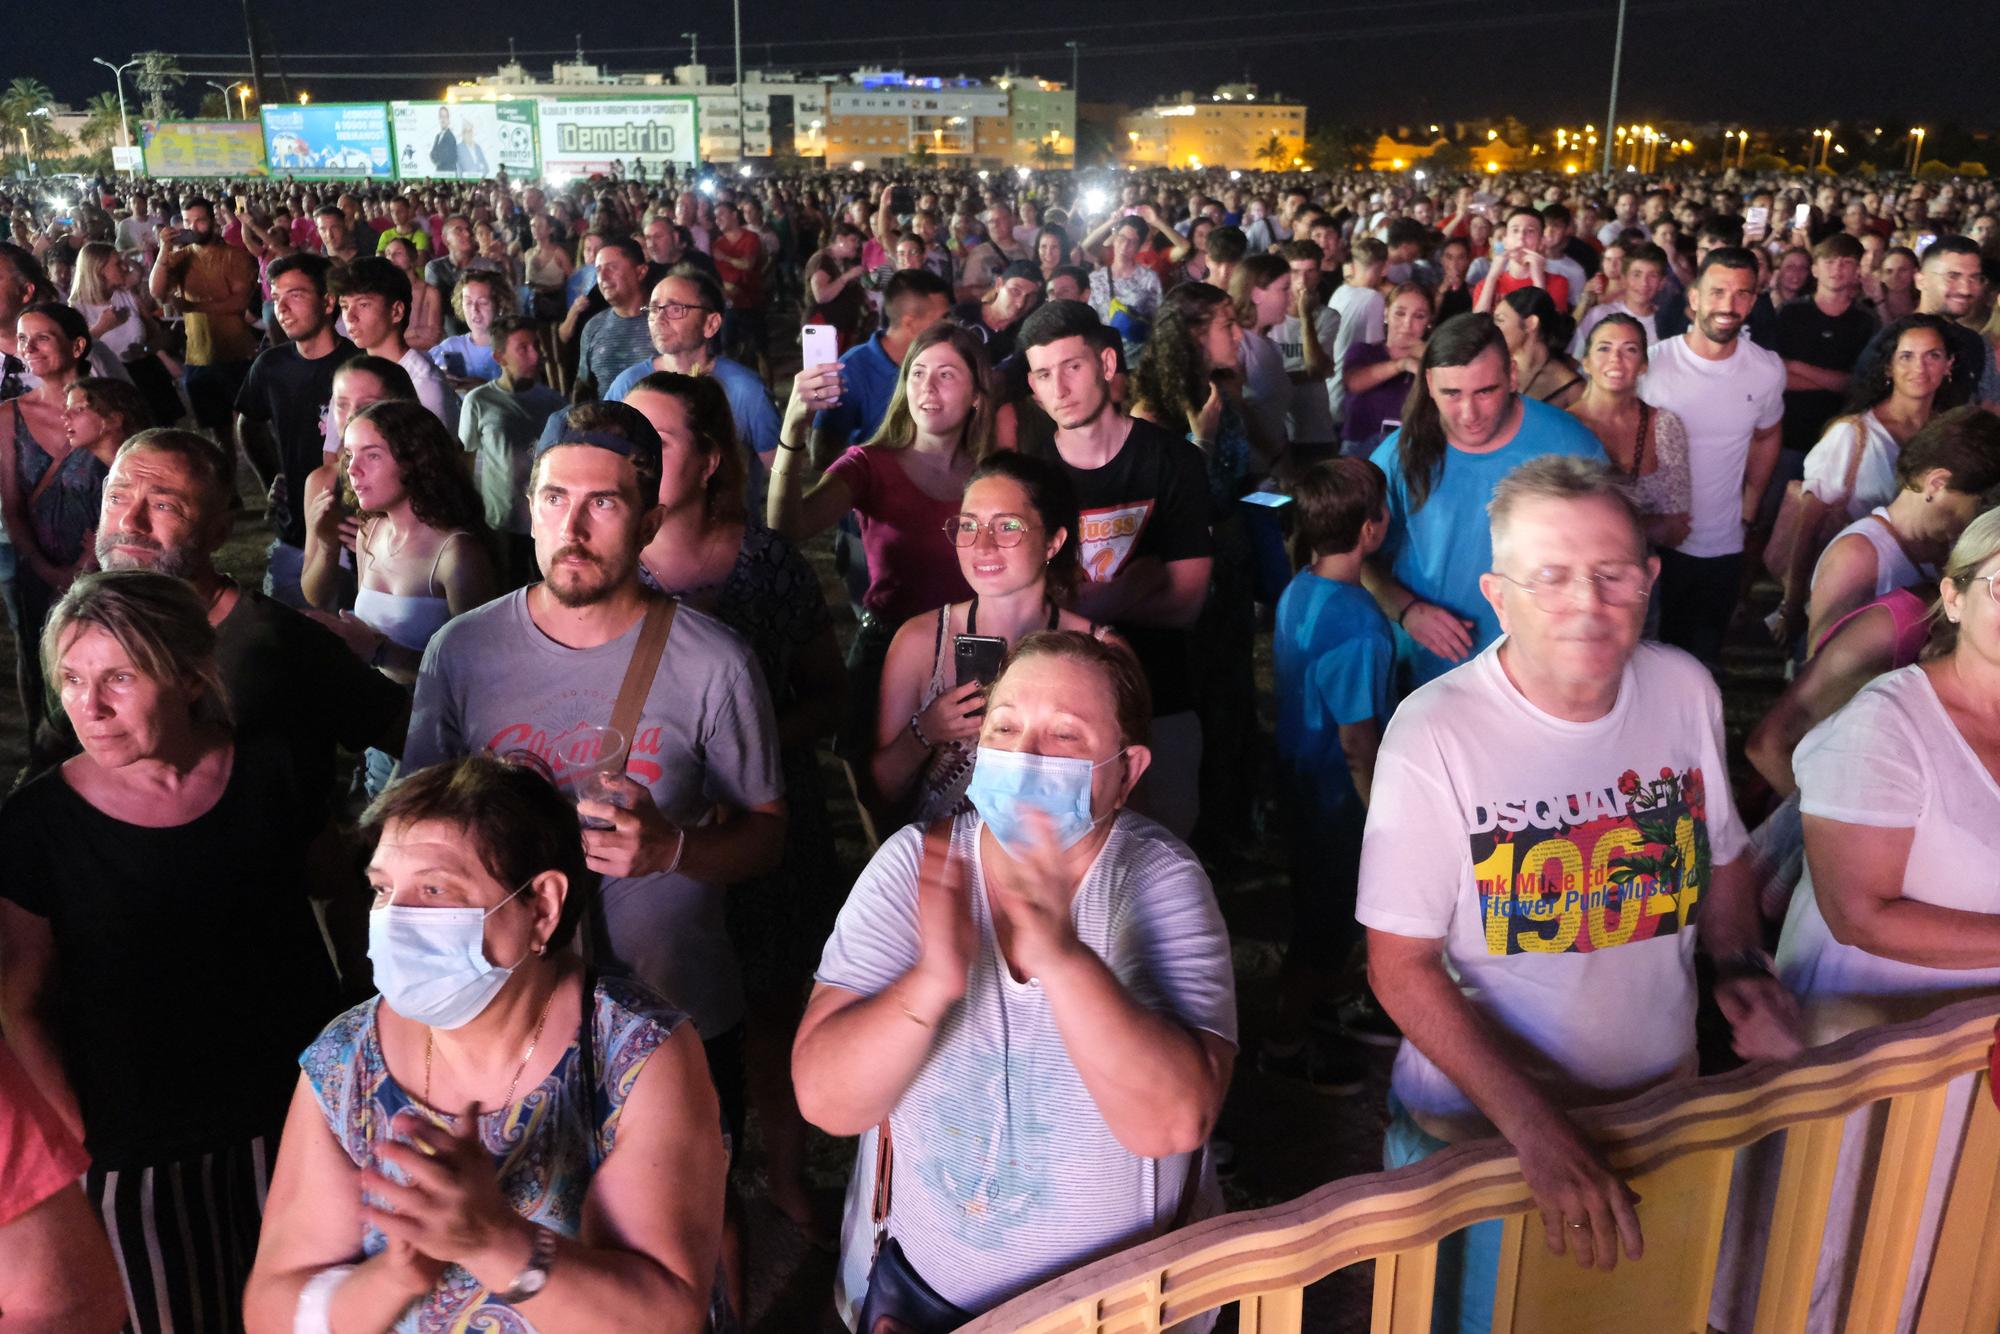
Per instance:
{"type": "Point", "coordinates": [1372, 414]}
{"type": "Point", "coordinates": [912, 565]}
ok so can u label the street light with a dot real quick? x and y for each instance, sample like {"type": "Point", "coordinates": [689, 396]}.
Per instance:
{"type": "Point", "coordinates": [118, 74]}
{"type": "Point", "coordinates": [243, 98]}
{"type": "Point", "coordinates": [225, 89]}
{"type": "Point", "coordinates": [305, 98]}
{"type": "Point", "coordinates": [1916, 149]}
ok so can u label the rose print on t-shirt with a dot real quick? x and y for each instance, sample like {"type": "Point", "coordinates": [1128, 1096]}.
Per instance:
{"type": "Point", "coordinates": [1593, 869]}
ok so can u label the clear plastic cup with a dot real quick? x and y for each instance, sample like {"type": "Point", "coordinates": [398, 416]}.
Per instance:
{"type": "Point", "coordinates": [588, 761]}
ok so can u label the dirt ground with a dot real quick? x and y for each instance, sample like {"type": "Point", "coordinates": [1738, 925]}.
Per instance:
{"type": "Point", "coordinates": [1288, 1139]}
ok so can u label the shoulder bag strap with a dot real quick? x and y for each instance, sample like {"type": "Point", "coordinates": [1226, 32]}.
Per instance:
{"type": "Point", "coordinates": [1860, 448]}
{"type": "Point", "coordinates": [936, 860]}
{"type": "Point", "coordinates": [642, 668]}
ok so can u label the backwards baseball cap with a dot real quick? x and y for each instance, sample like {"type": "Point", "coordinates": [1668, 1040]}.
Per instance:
{"type": "Point", "coordinates": [618, 427]}
{"type": "Point", "coordinates": [1022, 268]}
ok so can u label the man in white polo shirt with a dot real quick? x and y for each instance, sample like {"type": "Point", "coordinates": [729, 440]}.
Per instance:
{"type": "Point", "coordinates": [1730, 394]}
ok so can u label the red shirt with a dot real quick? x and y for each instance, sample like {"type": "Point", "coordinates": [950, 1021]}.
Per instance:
{"type": "Point", "coordinates": [1558, 286]}
{"type": "Point", "coordinates": [741, 264]}
{"type": "Point", "coordinates": [38, 1156]}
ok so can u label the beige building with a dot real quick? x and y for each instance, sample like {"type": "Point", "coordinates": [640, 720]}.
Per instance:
{"type": "Point", "coordinates": [1232, 127]}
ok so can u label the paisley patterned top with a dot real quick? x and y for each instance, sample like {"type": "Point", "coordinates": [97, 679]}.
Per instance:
{"type": "Point", "coordinates": [545, 1147]}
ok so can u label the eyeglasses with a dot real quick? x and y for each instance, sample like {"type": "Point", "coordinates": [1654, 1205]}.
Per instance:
{"type": "Point", "coordinates": [1007, 530]}
{"type": "Point", "coordinates": [1553, 587]}
{"type": "Point", "coordinates": [1992, 588]}
{"type": "Point", "coordinates": [672, 310]}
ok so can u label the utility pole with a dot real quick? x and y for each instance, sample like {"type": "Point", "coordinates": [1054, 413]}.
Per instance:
{"type": "Point", "coordinates": [736, 17]}
{"type": "Point", "coordinates": [1075, 56]}
{"type": "Point", "coordinates": [694, 47]}
{"type": "Point", "coordinates": [1611, 115]}
{"type": "Point", "coordinates": [256, 63]}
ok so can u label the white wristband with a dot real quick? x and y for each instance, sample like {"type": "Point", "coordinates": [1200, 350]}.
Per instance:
{"type": "Point", "coordinates": [316, 1300]}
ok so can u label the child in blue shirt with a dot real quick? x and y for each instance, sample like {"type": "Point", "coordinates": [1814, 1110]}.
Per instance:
{"type": "Point", "coordinates": [1333, 654]}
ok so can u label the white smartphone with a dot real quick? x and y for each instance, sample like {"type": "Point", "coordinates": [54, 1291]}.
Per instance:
{"type": "Point", "coordinates": [818, 345]}
{"type": "Point", "coordinates": [1801, 216]}
{"type": "Point", "coordinates": [1756, 221]}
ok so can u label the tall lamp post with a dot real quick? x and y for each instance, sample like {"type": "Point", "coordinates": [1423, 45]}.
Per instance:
{"type": "Point", "coordinates": [1617, 59]}
{"type": "Point", "coordinates": [118, 75]}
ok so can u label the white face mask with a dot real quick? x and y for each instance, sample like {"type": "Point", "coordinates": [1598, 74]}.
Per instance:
{"type": "Point", "coordinates": [431, 965]}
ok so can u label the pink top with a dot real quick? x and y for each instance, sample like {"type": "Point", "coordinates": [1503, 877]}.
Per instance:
{"type": "Point", "coordinates": [38, 1156]}
{"type": "Point", "coordinates": [912, 565]}
{"type": "Point", "coordinates": [1911, 615]}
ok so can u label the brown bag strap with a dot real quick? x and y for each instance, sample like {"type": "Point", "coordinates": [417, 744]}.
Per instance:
{"type": "Point", "coordinates": [1854, 463]}
{"type": "Point", "coordinates": [643, 667]}
{"type": "Point", "coordinates": [936, 860]}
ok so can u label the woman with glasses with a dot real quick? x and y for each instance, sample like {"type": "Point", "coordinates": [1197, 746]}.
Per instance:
{"type": "Point", "coordinates": [1015, 534]}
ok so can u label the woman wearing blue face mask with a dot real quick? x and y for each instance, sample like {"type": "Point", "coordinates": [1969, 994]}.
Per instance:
{"type": "Point", "coordinates": [159, 962]}
{"type": "Point", "coordinates": [499, 1129]}
{"type": "Point", "coordinates": [1035, 998]}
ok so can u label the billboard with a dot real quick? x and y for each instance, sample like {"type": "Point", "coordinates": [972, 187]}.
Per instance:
{"type": "Point", "coordinates": [582, 136]}
{"type": "Point", "coordinates": [194, 148]}
{"type": "Point", "coordinates": [332, 142]}
{"type": "Point", "coordinates": [464, 140]}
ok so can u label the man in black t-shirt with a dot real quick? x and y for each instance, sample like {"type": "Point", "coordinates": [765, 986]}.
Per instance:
{"type": "Point", "coordinates": [1143, 536]}
{"type": "Point", "coordinates": [1821, 337]}
{"type": "Point", "coordinates": [280, 412]}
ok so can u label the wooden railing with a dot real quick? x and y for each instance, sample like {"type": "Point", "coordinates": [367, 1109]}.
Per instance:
{"type": "Point", "coordinates": [1676, 1145]}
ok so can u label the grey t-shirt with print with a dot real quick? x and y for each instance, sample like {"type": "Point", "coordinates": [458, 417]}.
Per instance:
{"type": "Point", "coordinates": [493, 681]}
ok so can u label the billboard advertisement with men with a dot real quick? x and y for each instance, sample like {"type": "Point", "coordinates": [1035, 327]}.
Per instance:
{"type": "Point", "coordinates": [464, 140]}
{"type": "Point", "coordinates": [332, 142]}
{"type": "Point", "coordinates": [189, 149]}
{"type": "Point", "coordinates": [583, 136]}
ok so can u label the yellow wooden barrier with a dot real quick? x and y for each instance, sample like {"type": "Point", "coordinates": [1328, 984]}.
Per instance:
{"type": "Point", "coordinates": [1676, 1145]}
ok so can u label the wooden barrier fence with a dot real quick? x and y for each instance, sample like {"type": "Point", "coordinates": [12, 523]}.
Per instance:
{"type": "Point", "coordinates": [1676, 1145]}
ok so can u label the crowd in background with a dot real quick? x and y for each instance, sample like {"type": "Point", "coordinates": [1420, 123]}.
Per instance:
{"type": "Point", "coordinates": [530, 746]}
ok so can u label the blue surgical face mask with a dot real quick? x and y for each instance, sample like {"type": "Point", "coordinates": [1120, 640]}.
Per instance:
{"type": "Point", "coordinates": [431, 964]}
{"type": "Point", "coordinates": [1008, 784]}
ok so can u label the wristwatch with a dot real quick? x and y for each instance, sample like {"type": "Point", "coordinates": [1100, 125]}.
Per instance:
{"type": "Point", "coordinates": [535, 1277]}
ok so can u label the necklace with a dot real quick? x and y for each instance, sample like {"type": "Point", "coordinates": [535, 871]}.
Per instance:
{"type": "Point", "coordinates": [526, 1056]}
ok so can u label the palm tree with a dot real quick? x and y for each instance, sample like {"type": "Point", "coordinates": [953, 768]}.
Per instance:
{"type": "Point", "coordinates": [1046, 155]}
{"type": "Point", "coordinates": [102, 123]}
{"type": "Point", "coordinates": [24, 111]}
{"type": "Point", "coordinates": [1274, 153]}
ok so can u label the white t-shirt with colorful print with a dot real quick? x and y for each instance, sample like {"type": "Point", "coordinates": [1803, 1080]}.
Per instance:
{"type": "Point", "coordinates": [1563, 865]}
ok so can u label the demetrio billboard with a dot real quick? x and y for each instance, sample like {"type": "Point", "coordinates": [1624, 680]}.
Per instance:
{"type": "Point", "coordinates": [585, 135]}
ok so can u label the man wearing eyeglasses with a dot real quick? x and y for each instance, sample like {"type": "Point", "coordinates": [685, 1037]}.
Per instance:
{"type": "Point", "coordinates": [1542, 853]}
{"type": "Point", "coordinates": [684, 320]}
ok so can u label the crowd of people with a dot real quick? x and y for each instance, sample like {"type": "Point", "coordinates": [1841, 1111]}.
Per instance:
{"type": "Point", "coordinates": [529, 748]}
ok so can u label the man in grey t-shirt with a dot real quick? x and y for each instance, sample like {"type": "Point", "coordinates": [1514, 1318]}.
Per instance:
{"type": "Point", "coordinates": [701, 804]}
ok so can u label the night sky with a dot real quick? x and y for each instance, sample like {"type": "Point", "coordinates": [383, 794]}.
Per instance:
{"type": "Point", "coordinates": [1764, 62]}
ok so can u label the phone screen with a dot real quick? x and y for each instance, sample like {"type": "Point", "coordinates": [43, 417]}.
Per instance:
{"type": "Point", "coordinates": [1276, 500]}
{"type": "Point", "coordinates": [1801, 215]}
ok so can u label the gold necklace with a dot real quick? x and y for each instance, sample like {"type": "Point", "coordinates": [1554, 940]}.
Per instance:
{"type": "Point", "coordinates": [430, 1037]}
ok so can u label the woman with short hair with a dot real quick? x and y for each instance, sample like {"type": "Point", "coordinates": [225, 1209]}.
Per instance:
{"type": "Point", "coordinates": [1034, 998]}
{"type": "Point", "coordinates": [160, 964]}
{"type": "Point", "coordinates": [500, 1139]}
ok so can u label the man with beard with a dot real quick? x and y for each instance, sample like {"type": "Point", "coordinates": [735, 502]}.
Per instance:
{"type": "Point", "coordinates": [166, 508]}
{"type": "Point", "coordinates": [279, 411]}
{"type": "Point", "coordinates": [212, 282]}
{"type": "Point", "coordinates": [1730, 394]}
{"type": "Point", "coordinates": [698, 803]}
{"type": "Point", "coordinates": [1142, 536]}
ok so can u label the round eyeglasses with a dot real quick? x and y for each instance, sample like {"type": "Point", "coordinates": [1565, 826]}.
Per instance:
{"type": "Point", "coordinates": [1006, 530]}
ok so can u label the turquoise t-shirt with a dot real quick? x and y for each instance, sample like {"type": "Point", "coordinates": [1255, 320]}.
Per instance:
{"type": "Point", "coordinates": [1332, 660]}
{"type": "Point", "coordinates": [1439, 551]}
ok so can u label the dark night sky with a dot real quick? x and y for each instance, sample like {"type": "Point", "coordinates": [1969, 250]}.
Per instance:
{"type": "Point", "coordinates": [1767, 63]}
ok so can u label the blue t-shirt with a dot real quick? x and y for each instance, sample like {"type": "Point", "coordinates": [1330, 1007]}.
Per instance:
{"type": "Point", "coordinates": [870, 382]}
{"type": "Point", "coordinates": [1332, 659]}
{"type": "Point", "coordinates": [756, 419]}
{"type": "Point", "coordinates": [1439, 551]}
